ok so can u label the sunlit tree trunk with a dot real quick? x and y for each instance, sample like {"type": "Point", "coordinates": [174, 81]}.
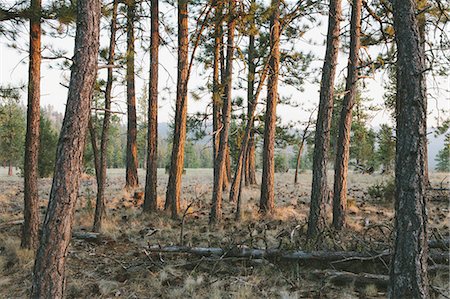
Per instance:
{"type": "Point", "coordinates": [101, 175]}
{"type": "Point", "coordinates": [49, 269]}
{"type": "Point", "coordinates": [266, 203]}
{"type": "Point", "coordinates": [408, 268]}
{"type": "Point", "coordinates": [30, 228]}
{"type": "Point", "coordinates": [345, 121]}
{"type": "Point", "coordinates": [150, 201]}
{"type": "Point", "coordinates": [179, 138]}
{"type": "Point", "coordinates": [319, 190]}
{"type": "Point", "coordinates": [220, 162]}
{"type": "Point", "coordinates": [132, 180]}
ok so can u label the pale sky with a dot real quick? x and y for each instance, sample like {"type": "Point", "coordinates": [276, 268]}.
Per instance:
{"type": "Point", "coordinates": [14, 70]}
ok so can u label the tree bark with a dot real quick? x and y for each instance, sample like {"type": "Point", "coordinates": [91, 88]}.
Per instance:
{"type": "Point", "coordinates": [266, 203]}
{"type": "Point", "coordinates": [49, 268]}
{"type": "Point", "coordinates": [132, 180]}
{"type": "Point", "coordinates": [151, 195]}
{"type": "Point", "coordinates": [217, 86]}
{"type": "Point", "coordinates": [422, 21]}
{"type": "Point", "coordinates": [249, 165]}
{"type": "Point", "coordinates": [101, 175]}
{"type": "Point", "coordinates": [220, 167]}
{"type": "Point", "coordinates": [94, 144]}
{"type": "Point", "coordinates": [297, 165]}
{"type": "Point", "coordinates": [345, 121]}
{"type": "Point", "coordinates": [10, 168]}
{"type": "Point", "coordinates": [179, 138]}
{"type": "Point", "coordinates": [30, 228]}
{"type": "Point", "coordinates": [319, 189]}
{"type": "Point", "coordinates": [408, 271]}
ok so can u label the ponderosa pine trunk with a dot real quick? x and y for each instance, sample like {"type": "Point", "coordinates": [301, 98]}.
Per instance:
{"type": "Point", "coordinates": [298, 163]}
{"type": "Point", "coordinates": [30, 228]}
{"type": "Point", "coordinates": [251, 157]}
{"type": "Point", "coordinates": [132, 180]}
{"type": "Point", "coordinates": [242, 164]}
{"type": "Point", "coordinates": [220, 164]}
{"type": "Point", "coordinates": [179, 137]}
{"type": "Point", "coordinates": [100, 211]}
{"type": "Point", "coordinates": [422, 22]}
{"type": "Point", "coordinates": [319, 189]}
{"type": "Point", "coordinates": [249, 165]}
{"type": "Point", "coordinates": [408, 268]}
{"type": "Point", "coordinates": [217, 86]}
{"type": "Point", "coordinates": [266, 203]}
{"type": "Point", "coordinates": [49, 269]}
{"type": "Point", "coordinates": [150, 201]}
{"type": "Point", "coordinates": [94, 145]}
{"type": "Point", "coordinates": [345, 121]}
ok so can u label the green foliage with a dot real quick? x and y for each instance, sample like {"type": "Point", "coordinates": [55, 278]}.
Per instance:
{"type": "Point", "coordinates": [384, 190]}
{"type": "Point", "coordinates": [443, 157]}
{"type": "Point", "coordinates": [281, 162]}
{"type": "Point", "coordinates": [12, 131]}
{"type": "Point", "coordinates": [47, 148]}
{"type": "Point", "coordinates": [386, 148]}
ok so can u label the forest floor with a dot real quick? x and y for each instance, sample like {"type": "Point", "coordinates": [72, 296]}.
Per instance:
{"type": "Point", "coordinates": [120, 264]}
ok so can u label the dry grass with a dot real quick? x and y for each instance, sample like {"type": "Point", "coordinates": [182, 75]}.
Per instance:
{"type": "Point", "coordinates": [118, 267]}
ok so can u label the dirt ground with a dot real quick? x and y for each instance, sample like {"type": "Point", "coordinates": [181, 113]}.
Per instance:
{"type": "Point", "coordinates": [120, 265]}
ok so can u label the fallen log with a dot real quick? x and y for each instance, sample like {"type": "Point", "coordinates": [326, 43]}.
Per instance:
{"type": "Point", "coordinates": [323, 256]}
{"type": "Point", "coordinates": [88, 236]}
{"type": "Point", "coordinates": [353, 278]}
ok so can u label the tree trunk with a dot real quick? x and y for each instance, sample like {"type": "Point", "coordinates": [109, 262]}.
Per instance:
{"type": "Point", "coordinates": [101, 175]}
{"type": "Point", "coordinates": [217, 86]}
{"type": "Point", "coordinates": [297, 165]}
{"type": "Point", "coordinates": [150, 201]}
{"type": "Point", "coordinates": [345, 121]}
{"type": "Point", "coordinates": [132, 180]}
{"type": "Point", "coordinates": [266, 203]}
{"type": "Point", "coordinates": [220, 164]}
{"type": "Point", "coordinates": [422, 21]}
{"type": "Point", "coordinates": [151, 194]}
{"type": "Point", "coordinates": [94, 144]}
{"type": "Point", "coordinates": [30, 229]}
{"type": "Point", "coordinates": [408, 273]}
{"type": "Point", "coordinates": [249, 159]}
{"type": "Point", "coordinates": [251, 156]}
{"type": "Point", "coordinates": [10, 168]}
{"type": "Point", "coordinates": [319, 189]}
{"type": "Point", "coordinates": [179, 138]}
{"type": "Point", "coordinates": [49, 268]}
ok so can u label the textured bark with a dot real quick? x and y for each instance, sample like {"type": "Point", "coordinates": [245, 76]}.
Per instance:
{"type": "Point", "coordinates": [179, 138]}
{"type": "Point", "coordinates": [150, 201]}
{"type": "Point", "coordinates": [408, 273]}
{"type": "Point", "coordinates": [298, 164]}
{"type": "Point", "coordinates": [49, 268]}
{"type": "Point", "coordinates": [220, 164]}
{"type": "Point", "coordinates": [266, 203]}
{"type": "Point", "coordinates": [132, 180]}
{"type": "Point", "coordinates": [319, 189]}
{"type": "Point", "coordinates": [30, 228]}
{"type": "Point", "coordinates": [217, 97]}
{"type": "Point", "coordinates": [94, 144]}
{"type": "Point", "coordinates": [251, 157]}
{"type": "Point", "coordinates": [243, 159]}
{"type": "Point", "coordinates": [422, 21]}
{"type": "Point", "coordinates": [345, 121]}
{"type": "Point", "coordinates": [101, 175]}
{"type": "Point", "coordinates": [249, 165]}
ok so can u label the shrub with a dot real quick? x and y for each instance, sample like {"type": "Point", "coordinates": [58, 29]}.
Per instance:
{"type": "Point", "coordinates": [384, 190]}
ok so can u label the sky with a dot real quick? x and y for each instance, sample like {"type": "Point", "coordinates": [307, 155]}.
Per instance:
{"type": "Point", "coordinates": [14, 71]}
